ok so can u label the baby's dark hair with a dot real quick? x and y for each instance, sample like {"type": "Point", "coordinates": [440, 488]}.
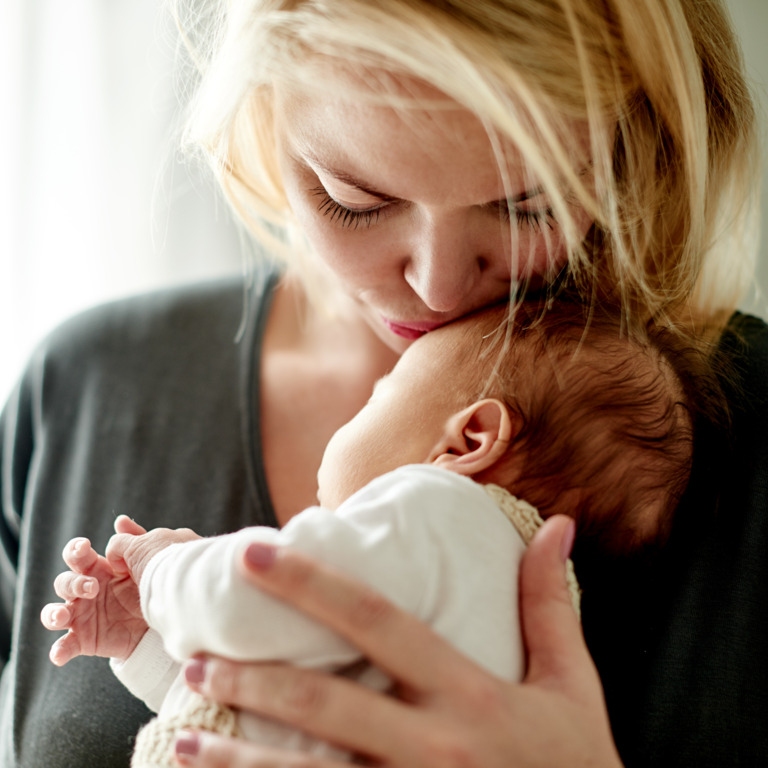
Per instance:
{"type": "Point", "coordinates": [604, 422]}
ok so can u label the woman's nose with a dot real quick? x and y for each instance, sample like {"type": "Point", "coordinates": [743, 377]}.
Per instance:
{"type": "Point", "coordinates": [444, 266]}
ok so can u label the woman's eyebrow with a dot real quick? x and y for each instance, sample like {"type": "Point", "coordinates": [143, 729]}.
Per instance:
{"type": "Point", "coordinates": [344, 177]}
{"type": "Point", "coordinates": [352, 181]}
{"type": "Point", "coordinates": [526, 195]}
{"type": "Point", "coordinates": [539, 190]}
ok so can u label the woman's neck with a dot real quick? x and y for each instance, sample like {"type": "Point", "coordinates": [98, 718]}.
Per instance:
{"type": "Point", "coordinates": [318, 369]}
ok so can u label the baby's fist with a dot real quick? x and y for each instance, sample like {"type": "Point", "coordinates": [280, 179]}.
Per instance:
{"type": "Point", "coordinates": [130, 552]}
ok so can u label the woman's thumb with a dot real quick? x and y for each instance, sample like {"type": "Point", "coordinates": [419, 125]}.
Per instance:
{"type": "Point", "coordinates": [551, 627]}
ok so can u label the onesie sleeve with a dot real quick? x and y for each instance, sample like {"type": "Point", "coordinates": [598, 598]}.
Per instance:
{"type": "Point", "coordinates": [194, 595]}
{"type": "Point", "coordinates": [149, 671]}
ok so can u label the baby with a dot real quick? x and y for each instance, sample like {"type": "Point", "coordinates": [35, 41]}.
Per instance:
{"type": "Point", "coordinates": [416, 496]}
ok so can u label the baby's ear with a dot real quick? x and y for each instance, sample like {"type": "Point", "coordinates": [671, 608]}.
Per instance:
{"type": "Point", "coordinates": [475, 438]}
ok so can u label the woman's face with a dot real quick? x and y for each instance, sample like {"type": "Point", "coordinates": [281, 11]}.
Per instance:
{"type": "Point", "coordinates": [410, 212]}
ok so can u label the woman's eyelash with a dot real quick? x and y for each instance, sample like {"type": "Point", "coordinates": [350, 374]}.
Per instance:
{"type": "Point", "coordinates": [346, 217]}
{"type": "Point", "coordinates": [350, 218]}
{"type": "Point", "coordinates": [535, 220]}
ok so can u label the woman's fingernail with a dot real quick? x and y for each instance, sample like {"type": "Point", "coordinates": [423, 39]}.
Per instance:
{"type": "Point", "coordinates": [260, 556]}
{"type": "Point", "coordinates": [566, 543]}
{"type": "Point", "coordinates": [187, 744]}
{"type": "Point", "coordinates": [194, 671]}
{"type": "Point", "coordinates": [88, 587]}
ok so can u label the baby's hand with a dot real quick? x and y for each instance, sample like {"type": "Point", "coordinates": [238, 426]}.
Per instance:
{"type": "Point", "coordinates": [129, 554]}
{"type": "Point", "coordinates": [101, 610]}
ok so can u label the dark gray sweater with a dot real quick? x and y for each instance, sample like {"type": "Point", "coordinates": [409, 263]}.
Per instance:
{"type": "Point", "coordinates": [149, 407]}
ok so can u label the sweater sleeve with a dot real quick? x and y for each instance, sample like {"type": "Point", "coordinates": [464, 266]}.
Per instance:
{"type": "Point", "coordinates": [16, 450]}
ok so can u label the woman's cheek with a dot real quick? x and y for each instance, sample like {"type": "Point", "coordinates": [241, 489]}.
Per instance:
{"type": "Point", "coordinates": [354, 255]}
{"type": "Point", "coordinates": [544, 254]}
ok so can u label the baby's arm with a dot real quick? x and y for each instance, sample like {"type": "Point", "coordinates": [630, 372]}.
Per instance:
{"type": "Point", "coordinates": [196, 598]}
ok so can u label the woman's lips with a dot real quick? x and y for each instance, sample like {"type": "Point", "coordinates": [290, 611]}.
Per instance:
{"type": "Point", "coordinates": [410, 331]}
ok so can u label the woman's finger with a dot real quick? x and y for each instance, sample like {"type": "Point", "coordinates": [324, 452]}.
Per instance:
{"type": "Point", "coordinates": [210, 751]}
{"type": "Point", "coordinates": [551, 629]}
{"type": "Point", "coordinates": [355, 717]}
{"type": "Point", "coordinates": [558, 659]}
{"type": "Point", "coordinates": [70, 586]}
{"type": "Point", "coordinates": [404, 647]}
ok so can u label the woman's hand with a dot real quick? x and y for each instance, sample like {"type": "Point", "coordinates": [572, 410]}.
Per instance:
{"type": "Point", "coordinates": [449, 712]}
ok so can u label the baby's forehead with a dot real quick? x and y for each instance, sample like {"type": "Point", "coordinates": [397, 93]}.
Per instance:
{"type": "Point", "coordinates": [438, 355]}
{"type": "Point", "coordinates": [448, 341]}
{"type": "Point", "coordinates": [561, 337]}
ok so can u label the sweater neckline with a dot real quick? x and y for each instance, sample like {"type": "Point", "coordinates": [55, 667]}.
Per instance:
{"type": "Point", "coordinates": [258, 294]}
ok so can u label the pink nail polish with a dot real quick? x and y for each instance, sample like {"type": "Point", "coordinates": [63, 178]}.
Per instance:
{"type": "Point", "coordinates": [194, 671]}
{"type": "Point", "coordinates": [260, 556]}
{"type": "Point", "coordinates": [187, 744]}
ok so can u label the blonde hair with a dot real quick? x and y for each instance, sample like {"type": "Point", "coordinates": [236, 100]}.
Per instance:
{"type": "Point", "coordinates": [659, 83]}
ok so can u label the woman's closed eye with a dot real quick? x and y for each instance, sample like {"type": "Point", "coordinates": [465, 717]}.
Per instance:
{"type": "Point", "coordinates": [534, 219]}
{"type": "Point", "coordinates": [345, 216]}
{"type": "Point", "coordinates": [355, 218]}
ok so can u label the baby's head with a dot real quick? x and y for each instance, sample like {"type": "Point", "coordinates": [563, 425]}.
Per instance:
{"type": "Point", "coordinates": [562, 411]}
{"type": "Point", "coordinates": [602, 423]}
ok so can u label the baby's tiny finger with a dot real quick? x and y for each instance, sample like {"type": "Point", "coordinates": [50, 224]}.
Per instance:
{"type": "Point", "coordinates": [64, 649]}
{"type": "Point", "coordinates": [55, 616]}
{"type": "Point", "coordinates": [116, 549]}
{"type": "Point", "coordinates": [70, 586]}
{"type": "Point", "coordinates": [124, 524]}
{"type": "Point", "coordinates": [79, 555]}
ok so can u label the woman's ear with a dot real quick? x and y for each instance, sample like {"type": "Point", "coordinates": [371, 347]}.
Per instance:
{"type": "Point", "coordinates": [475, 438]}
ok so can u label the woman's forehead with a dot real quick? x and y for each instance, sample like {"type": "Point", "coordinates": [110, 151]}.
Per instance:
{"type": "Point", "coordinates": [432, 139]}
{"type": "Point", "coordinates": [403, 154]}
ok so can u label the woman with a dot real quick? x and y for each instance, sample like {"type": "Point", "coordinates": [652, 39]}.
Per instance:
{"type": "Point", "coordinates": [414, 161]}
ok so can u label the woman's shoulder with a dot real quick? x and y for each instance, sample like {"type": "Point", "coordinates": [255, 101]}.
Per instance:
{"type": "Point", "coordinates": [169, 329]}
{"type": "Point", "coordinates": [748, 330]}
{"type": "Point", "coordinates": [744, 349]}
{"type": "Point", "coordinates": [182, 313]}
{"type": "Point", "coordinates": [746, 341]}
{"type": "Point", "coordinates": [681, 626]}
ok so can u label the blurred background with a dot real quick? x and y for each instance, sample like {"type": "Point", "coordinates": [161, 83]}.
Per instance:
{"type": "Point", "coordinates": [94, 201]}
